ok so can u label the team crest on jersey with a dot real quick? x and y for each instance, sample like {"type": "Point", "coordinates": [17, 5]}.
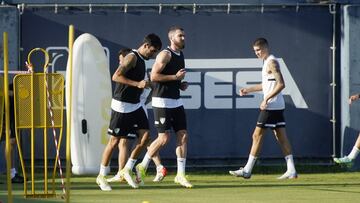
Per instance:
{"type": "Point", "coordinates": [162, 120]}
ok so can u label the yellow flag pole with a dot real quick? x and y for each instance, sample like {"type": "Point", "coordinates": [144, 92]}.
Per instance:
{"type": "Point", "coordinates": [68, 114]}
{"type": "Point", "coordinates": [7, 118]}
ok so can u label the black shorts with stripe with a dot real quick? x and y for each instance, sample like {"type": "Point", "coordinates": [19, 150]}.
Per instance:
{"type": "Point", "coordinates": [167, 118]}
{"type": "Point", "coordinates": [271, 119]}
{"type": "Point", "coordinates": [127, 124]}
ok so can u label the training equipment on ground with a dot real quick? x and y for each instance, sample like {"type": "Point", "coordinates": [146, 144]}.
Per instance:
{"type": "Point", "coordinates": [91, 97]}
{"type": "Point", "coordinates": [38, 104]}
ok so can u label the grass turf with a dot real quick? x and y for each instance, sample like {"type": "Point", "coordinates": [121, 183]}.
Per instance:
{"type": "Point", "coordinates": [214, 188]}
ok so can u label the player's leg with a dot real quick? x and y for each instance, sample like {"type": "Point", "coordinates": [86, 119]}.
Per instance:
{"type": "Point", "coordinates": [281, 137]}
{"type": "Point", "coordinates": [181, 151]}
{"type": "Point", "coordinates": [105, 160]}
{"type": "Point", "coordinates": [163, 125]}
{"type": "Point", "coordinates": [141, 144]}
{"type": "Point", "coordinates": [257, 140]}
{"type": "Point", "coordinates": [161, 171]}
{"type": "Point", "coordinates": [123, 147]}
{"type": "Point", "coordinates": [348, 160]}
{"type": "Point", "coordinates": [178, 118]}
{"type": "Point", "coordinates": [153, 149]}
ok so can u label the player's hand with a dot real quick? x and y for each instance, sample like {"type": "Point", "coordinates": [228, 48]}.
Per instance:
{"type": "Point", "coordinates": [184, 85]}
{"type": "Point", "coordinates": [263, 105]}
{"type": "Point", "coordinates": [142, 84]}
{"type": "Point", "coordinates": [353, 98]}
{"type": "Point", "coordinates": [243, 91]}
{"type": "Point", "coordinates": [180, 74]}
{"type": "Point", "coordinates": [148, 84]}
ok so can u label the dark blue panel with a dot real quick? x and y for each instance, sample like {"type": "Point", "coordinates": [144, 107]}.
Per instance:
{"type": "Point", "coordinates": [9, 22]}
{"type": "Point", "coordinates": [219, 129]}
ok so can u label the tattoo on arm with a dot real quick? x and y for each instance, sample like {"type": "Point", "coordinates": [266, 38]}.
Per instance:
{"type": "Point", "coordinates": [126, 65]}
{"type": "Point", "coordinates": [275, 70]}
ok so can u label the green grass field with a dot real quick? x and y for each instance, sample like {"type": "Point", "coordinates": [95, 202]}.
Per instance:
{"type": "Point", "coordinates": [214, 188]}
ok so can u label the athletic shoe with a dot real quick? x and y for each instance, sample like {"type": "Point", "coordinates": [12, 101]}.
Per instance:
{"type": "Point", "coordinates": [181, 179]}
{"type": "Point", "coordinates": [160, 175]}
{"type": "Point", "coordinates": [140, 174]}
{"type": "Point", "coordinates": [288, 175]}
{"type": "Point", "coordinates": [117, 178]}
{"type": "Point", "coordinates": [125, 172]}
{"type": "Point", "coordinates": [344, 161]}
{"type": "Point", "coordinates": [103, 184]}
{"type": "Point", "coordinates": [240, 173]}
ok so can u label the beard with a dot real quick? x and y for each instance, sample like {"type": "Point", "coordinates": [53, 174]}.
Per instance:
{"type": "Point", "coordinates": [181, 45]}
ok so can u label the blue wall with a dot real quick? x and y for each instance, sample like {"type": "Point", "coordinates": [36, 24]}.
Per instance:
{"type": "Point", "coordinates": [220, 61]}
{"type": "Point", "coordinates": [218, 118]}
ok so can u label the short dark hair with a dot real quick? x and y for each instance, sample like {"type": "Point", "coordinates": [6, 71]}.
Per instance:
{"type": "Point", "coordinates": [153, 40]}
{"type": "Point", "coordinates": [173, 29]}
{"type": "Point", "coordinates": [261, 42]}
{"type": "Point", "coordinates": [124, 51]}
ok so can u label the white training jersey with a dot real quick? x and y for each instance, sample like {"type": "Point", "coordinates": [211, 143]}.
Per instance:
{"type": "Point", "coordinates": [268, 84]}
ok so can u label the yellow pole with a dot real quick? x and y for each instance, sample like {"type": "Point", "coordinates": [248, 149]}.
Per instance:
{"type": "Point", "coordinates": [32, 134]}
{"type": "Point", "coordinates": [68, 114]}
{"type": "Point", "coordinates": [45, 126]}
{"type": "Point", "coordinates": [7, 118]}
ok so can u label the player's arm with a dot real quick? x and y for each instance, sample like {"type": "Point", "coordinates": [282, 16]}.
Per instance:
{"type": "Point", "coordinates": [247, 90]}
{"type": "Point", "coordinates": [354, 98]}
{"type": "Point", "coordinates": [161, 60]}
{"type": "Point", "coordinates": [274, 68]}
{"type": "Point", "coordinates": [128, 63]}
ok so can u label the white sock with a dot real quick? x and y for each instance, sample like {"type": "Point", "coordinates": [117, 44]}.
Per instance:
{"type": "Point", "coordinates": [181, 163]}
{"type": "Point", "coordinates": [130, 163]}
{"type": "Point", "coordinates": [354, 152]}
{"type": "Point", "coordinates": [12, 172]}
{"type": "Point", "coordinates": [146, 160]}
{"type": "Point", "coordinates": [290, 163]}
{"type": "Point", "coordinates": [159, 167]}
{"type": "Point", "coordinates": [103, 170]}
{"type": "Point", "coordinates": [250, 164]}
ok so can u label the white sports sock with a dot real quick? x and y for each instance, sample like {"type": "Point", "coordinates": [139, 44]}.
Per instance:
{"type": "Point", "coordinates": [103, 170]}
{"type": "Point", "coordinates": [12, 172]}
{"type": "Point", "coordinates": [290, 163]}
{"type": "Point", "coordinates": [159, 167]}
{"type": "Point", "coordinates": [354, 152]}
{"type": "Point", "coordinates": [181, 163]}
{"type": "Point", "coordinates": [130, 163]}
{"type": "Point", "coordinates": [146, 160]}
{"type": "Point", "coordinates": [250, 164]}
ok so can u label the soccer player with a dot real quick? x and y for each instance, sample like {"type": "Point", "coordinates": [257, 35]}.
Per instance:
{"type": "Point", "coordinates": [167, 74]}
{"type": "Point", "coordinates": [128, 118]}
{"type": "Point", "coordinates": [348, 160]}
{"type": "Point", "coordinates": [271, 112]}
{"type": "Point", "coordinates": [123, 144]}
